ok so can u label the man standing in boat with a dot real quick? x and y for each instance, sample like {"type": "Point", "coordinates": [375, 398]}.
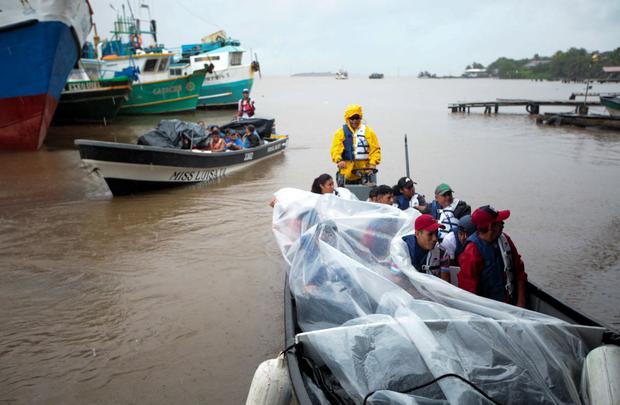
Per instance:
{"type": "Point", "coordinates": [355, 146]}
{"type": "Point", "coordinates": [490, 264]}
{"type": "Point", "coordinates": [246, 105]}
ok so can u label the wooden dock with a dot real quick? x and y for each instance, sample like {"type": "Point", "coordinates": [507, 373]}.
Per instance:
{"type": "Point", "coordinates": [531, 106]}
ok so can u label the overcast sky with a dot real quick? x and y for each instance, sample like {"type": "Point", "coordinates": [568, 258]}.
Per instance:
{"type": "Point", "coordinates": [403, 37]}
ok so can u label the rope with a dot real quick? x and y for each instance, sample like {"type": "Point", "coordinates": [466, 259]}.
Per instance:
{"type": "Point", "coordinates": [485, 395]}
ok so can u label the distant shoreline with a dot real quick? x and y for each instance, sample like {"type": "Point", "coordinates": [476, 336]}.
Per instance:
{"type": "Point", "coordinates": [314, 74]}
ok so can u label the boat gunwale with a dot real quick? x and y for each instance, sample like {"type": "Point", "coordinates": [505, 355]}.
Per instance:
{"type": "Point", "coordinates": [188, 152]}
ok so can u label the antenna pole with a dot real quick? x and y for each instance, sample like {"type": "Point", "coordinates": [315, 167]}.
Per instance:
{"type": "Point", "coordinates": [407, 156]}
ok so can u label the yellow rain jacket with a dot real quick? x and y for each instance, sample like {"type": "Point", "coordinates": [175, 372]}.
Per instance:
{"type": "Point", "coordinates": [338, 146]}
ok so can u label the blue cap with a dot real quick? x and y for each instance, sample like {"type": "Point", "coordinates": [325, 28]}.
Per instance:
{"type": "Point", "coordinates": [245, 91]}
{"type": "Point", "coordinates": [466, 225]}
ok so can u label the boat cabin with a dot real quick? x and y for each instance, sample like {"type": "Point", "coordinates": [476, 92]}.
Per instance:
{"type": "Point", "coordinates": [151, 67]}
{"type": "Point", "coordinates": [221, 59]}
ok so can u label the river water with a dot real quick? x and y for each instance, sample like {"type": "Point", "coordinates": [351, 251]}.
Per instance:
{"type": "Point", "coordinates": [176, 296]}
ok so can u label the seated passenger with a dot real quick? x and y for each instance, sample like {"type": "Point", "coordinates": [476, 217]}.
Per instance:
{"type": "Point", "coordinates": [490, 264]}
{"type": "Point", "coordinates": [425, 253]}
{"type": "Point", "coordinates": [232, 140]}
{"type": "Point", "coordinates": [454, 242]}
{"type": "Point", "coordinates": [251, 138]}
{"type": "Point", "coordinates": [213, 128]}
{"type": "Point", "coordinates": [385, 195]}
{"type": "Point", "coordinates": [372, 195]}
{"type": "Point", "coordinates": [406, 197]}
{"type": "Point", "coordinates": [228, 137]}
{"type": "Point", "coordinates": [216, 144]}
{"type": "Point", "coordinates": [445, 208]}
{"type": "Point", "coordinates": [324, 184]}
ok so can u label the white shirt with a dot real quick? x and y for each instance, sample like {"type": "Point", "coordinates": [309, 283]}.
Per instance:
{"type": "Point", "coordinates": [449, 244]}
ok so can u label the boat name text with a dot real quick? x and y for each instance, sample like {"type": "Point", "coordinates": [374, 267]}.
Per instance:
{"type": "Point", "coordinates": [274, 147]}
{"type": "Point", "coordinates": [197, 175]}
{"type": "Point", "coordinates": [81, 86]}
{"type": "Point", "coordinates": [169, 89]}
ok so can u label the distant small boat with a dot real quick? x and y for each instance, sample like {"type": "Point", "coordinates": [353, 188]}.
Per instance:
{"type": "Point", "coordinates": [612, 104]}
{"type": "Point", "coordinates": [579, 120]}
{"type": "Point", "coordinates": [87, 98]}
{"type": "Point", "coordinates": [376, 76]}
{"type": "Point", "coordinates": [342, 75]}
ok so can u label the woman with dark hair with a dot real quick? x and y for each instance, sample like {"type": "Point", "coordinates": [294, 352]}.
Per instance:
{"type": "Point", "coordinates": [324, 184]}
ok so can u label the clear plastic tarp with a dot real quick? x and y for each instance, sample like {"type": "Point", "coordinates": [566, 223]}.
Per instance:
{"type": "Point", "coordinates": [379, 325]}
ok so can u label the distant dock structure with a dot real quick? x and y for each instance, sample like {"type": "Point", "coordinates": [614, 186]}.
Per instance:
{"type": "Point", "coordinates": [531, 106]}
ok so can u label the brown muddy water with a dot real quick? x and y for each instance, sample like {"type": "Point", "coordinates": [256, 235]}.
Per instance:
{"type": "Point", "coordinates": [175, 296]}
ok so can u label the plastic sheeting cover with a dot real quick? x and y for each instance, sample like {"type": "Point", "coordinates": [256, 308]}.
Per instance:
{"type": "Point", "coordinates": [379, 325]}
{"type": "Point", "coordinates": [171, 133]}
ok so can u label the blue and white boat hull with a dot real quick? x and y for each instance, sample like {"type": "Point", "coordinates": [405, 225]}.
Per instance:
{"type": "Point", "coordinates": [40, 42]}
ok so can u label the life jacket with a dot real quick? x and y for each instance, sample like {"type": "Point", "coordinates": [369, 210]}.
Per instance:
{"type": "Point", "coordinates": [415, 201]}
{"type": "Point", "coordinates": [246, 107]}
{"type": "Point", "coordinates": [460, 247]}
{"type": "Point", "coordinates": [424, 261]}
{"type": "Point", "coordinates": [361, 149]}
{"type": "Point", "coordinates": [402, 203]}
{"type": "Point", "coordinates": [448, 219]}
{"type": "Point", "coordinates": [497, 276]}
{"type": "Point", "coordinates": [435, 207]}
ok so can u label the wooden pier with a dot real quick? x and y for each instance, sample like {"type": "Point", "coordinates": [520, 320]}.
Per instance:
{"type": "Point", "coordinates": [531, 106]}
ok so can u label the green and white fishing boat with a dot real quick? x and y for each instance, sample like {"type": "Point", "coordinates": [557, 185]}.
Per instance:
{"type": "Point", "coordinates": [176, 94]}
{"type": "Point", "coordinates": [612, 104]}
{"type": "Point", "coordinates": [155, 90]}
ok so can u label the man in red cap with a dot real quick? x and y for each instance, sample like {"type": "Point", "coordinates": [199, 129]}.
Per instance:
{"type": "Point", "coordinates": [490, 264]}
{"type": "Point", "coordinates": [426, 254]}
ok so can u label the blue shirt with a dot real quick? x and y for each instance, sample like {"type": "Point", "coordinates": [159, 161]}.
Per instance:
{"type": "Point", "coordinates": [256, 140]}
{"type": "Point", "coordinates": [238, 142]}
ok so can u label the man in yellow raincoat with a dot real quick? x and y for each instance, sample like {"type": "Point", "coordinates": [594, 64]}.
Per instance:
{"type": "Point", "coordinates": [355, 145]}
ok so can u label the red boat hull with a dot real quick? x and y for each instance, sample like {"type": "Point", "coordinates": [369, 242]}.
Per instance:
{"type": "Point", "coordinates": [24, 121]}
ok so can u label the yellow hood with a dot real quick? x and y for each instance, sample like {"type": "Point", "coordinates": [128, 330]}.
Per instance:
{"type": "Point", "coordinates": [351, 110]}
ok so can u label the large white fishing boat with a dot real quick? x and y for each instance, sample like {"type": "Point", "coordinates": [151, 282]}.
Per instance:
{"type": "Point", "coordinates": [229, 68]}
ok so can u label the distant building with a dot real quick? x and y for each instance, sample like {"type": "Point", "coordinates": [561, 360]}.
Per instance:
{"type": "Point", "coordinates": [536, 62]}
{"type": "Point", "coordinates": [475, 73]}
{"type": "Point", "coordinates": [613, 72]}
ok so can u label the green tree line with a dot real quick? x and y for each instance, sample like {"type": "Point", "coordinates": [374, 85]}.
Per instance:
{"type": "Point", "coordinates": [574, 64]}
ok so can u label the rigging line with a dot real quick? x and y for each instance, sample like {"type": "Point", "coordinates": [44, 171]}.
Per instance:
{"type": "Point", "coordinates": [193, 14]}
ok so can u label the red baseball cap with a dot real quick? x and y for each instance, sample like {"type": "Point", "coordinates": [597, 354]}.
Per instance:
{"type": "Point", "coordinates": [426, 222]}
{"type": "Point", "coordinates": [486, 215]}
